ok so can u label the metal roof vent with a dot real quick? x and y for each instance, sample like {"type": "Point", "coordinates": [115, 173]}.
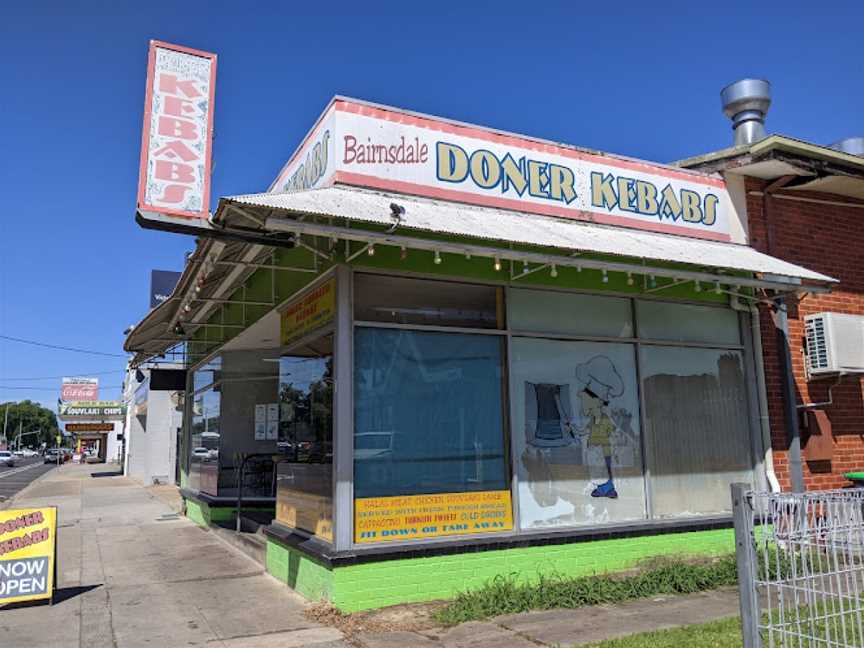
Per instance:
{"type": "Point", "coordinates": [851, 145]}
{"type": "Point", "coordinates": [745, 102]}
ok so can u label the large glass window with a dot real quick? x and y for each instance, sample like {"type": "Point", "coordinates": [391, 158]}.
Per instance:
{"type": "Point", "coordinates": [687, 323]}
{"type": "Point", "coordinates": [234, 415]}
{"type": "Point", "coordinates": [204, 449]}
{"type": "Point", "coordinates": [556, 312]}
{"type": "Point", "coordinates": [576, 433]}
{"type": "Point", "coordinates": [433, 303]}
{"type": "Point", "coordinates": [304, 495]}
{"type": "Point", "coordinates": [428, 413]}
{"type": "Point", "coordinates": [697, 428]}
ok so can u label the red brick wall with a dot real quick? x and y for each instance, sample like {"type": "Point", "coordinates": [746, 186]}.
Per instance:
{"type": "Point", "coordinates": [828, 239]}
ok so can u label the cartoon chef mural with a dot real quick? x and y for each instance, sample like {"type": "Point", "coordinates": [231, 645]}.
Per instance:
{"type": "Point", "coordinates": [598, 383]}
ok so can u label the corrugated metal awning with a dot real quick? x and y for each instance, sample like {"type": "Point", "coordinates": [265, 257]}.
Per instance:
{"type": "Point", "coordinates": [493, 227]}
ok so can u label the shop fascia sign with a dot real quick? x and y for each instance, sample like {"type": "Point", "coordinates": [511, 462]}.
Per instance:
{"type": "Point", "coordinates": [359, 144]}
{"type": "Point", "coordinates": [177, 142]}
{"type": "Point", "coordinates": [92, 409]}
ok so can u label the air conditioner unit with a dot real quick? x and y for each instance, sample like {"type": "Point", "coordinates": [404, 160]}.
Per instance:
{"type": "Point", "coordinates": [834, 343]}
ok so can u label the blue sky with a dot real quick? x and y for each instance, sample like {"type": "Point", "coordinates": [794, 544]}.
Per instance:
{"type": "Point", "coordinates": [639, 79]}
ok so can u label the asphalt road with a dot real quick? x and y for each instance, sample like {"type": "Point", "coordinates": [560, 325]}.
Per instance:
{"type": "Point", "coordinates": [25, 471]}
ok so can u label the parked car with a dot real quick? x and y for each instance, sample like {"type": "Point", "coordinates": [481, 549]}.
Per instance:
{"type": "Point", "coordinates": [201, 454]}
{"type": "Point", "coordinates": [7, 458]}
{"type": "Point", "coordinates": [52, 454]}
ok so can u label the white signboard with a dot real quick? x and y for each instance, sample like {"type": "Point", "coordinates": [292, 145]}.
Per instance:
{"type": "Point", "coordinates": [272, 421]}
{"type": "Point", "coordinates": [79, 389]}
{"type": "Point", "coordinates": [384, 148]}
{"type": "Point", "coordinates": [260, 422]}
{"type": "Point", "coordinates": [178, 132]}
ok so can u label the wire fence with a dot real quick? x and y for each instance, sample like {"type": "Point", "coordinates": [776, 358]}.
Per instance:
{"type": "Point", "coordinates": [801, 568]}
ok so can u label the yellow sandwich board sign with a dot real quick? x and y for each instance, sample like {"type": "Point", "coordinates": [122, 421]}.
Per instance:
{"type": "Point", "coordinates": [28, 549]}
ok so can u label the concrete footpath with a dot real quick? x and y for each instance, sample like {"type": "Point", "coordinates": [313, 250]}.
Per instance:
{"type": "Point", "coordinates": [132, 572]}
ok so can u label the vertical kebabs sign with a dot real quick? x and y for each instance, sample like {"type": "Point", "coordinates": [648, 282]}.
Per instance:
{"type": "Point", "coordinates": [177, 143]}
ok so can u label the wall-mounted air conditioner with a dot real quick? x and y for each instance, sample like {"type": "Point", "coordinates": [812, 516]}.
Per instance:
{"type": "Point", "coordinates": [834, 343]}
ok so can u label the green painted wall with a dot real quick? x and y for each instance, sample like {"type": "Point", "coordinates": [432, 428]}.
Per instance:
{"type": "Point", "coordinates": [299, 572]}
{"type": "Point", "coordinates": [198, 512]}
{"type": "Point", "coordinates": [391, 582]}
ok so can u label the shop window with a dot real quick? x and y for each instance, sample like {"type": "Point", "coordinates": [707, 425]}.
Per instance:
{"type": "Point", "coordinates": [428, 413]}
{"type": "Point", "coordinates": [697, 428]}
{"type": "Point", "coordinates": [304, 495]}
{"type": "Point", "coordinates": [205, 437]}
{"type": "Point", "coordinates": [207, 374]}
{"type": "Point", "coordinates": [230, 421]}
{"type": "Point", "coordinates": [577, 439]}
{"type": "Point", "coordinates": [398, 300]}
{"type": "Point", "coordinates": [687, 323]}
{"type": "Point", "coordinates": [571, 314]}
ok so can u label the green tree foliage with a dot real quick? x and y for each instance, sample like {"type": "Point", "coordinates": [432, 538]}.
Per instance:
{"type": "Point", "coordinates": [28, 416]}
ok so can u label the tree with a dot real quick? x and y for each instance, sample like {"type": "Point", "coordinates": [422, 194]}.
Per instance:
{"type": "Point", "coordinates": [28, 416]}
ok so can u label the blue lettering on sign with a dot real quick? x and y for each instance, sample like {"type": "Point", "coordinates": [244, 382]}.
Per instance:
{"type": "Point", "coordinates": [487, 171]}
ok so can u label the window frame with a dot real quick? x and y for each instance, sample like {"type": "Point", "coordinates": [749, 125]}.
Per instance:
{"type": "Point", "coordinates": [745, 346]}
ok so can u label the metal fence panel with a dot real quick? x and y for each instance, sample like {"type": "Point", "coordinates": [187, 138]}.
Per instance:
{"type": "Point", "coordinates": [801, 561]}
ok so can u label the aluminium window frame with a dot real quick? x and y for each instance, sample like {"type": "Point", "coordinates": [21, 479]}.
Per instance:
{"type": "Point", "coordinates": [345, 422]}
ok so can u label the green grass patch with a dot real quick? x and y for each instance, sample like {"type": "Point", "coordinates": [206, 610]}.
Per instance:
{"type": "Point", "coordinates": [510, 595]}
{"type": "Point", "coordinates": [717, 634]}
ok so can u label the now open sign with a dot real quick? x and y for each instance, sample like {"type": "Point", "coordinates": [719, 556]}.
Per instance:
{"type": "Point", "coordinates": [28, 547]}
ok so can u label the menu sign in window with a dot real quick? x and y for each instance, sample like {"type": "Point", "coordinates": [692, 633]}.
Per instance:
{"type": "Point", "coordinates": [382, 519]}
{"type": "Point", "coordinates": [311, 311]}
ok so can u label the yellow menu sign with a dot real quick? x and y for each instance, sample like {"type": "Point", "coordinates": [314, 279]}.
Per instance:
{"type": "Point", "coordinates": [28, 545]}
{"type": "Point", "coordinates": [311, 311]}
{"type": "Point", "coordinates": [379, 519]}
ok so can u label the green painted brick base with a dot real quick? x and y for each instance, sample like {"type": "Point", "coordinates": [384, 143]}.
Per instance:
{"type": "Point", "coordinates": [205, 515]}
{"type": "Point", "coordinates": [411, 580]}
{"type": "Point", "coordinates": [302, 574]}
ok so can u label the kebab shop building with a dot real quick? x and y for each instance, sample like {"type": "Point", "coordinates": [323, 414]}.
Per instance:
{"type": "Point", "coordinates": [437, 353]}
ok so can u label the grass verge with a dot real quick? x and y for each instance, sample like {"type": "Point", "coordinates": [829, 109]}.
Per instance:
{"type": "Point", "coordinates": [717, 634]}
{"type": "Point", "coordinates": [508, 595]}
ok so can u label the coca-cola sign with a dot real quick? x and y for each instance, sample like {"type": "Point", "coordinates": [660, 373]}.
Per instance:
{"type": "Point", "coordinates": [79, 389]}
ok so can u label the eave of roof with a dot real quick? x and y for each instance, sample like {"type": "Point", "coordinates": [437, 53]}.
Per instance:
{"type": "Point", "coordinates": [775, 143]}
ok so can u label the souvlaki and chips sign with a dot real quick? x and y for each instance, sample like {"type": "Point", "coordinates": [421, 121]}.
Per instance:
{"type": "Point", "coordinates": [365, 145]}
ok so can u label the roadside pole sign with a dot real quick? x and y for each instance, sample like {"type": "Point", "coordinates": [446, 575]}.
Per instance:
{"type": "Point", "coordinates": [28, 554]}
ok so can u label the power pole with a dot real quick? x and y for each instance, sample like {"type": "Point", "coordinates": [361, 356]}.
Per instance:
{"type": "Point", "coordinates": [5, 421]}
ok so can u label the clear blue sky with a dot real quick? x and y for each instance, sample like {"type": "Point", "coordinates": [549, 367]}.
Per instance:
{"type": "Point", "coordinates": [639, 78]}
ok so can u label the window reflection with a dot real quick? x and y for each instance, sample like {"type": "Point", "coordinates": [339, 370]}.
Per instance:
{"type": "Point", "coordinates": [304, 498]}
{"type": "Point", "coordinates": [204, 450]}
{"type": "Point", "coordinates": [428, 413]}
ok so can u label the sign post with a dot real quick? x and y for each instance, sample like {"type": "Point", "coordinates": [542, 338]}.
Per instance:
{"type": "Point", "coordinates": [28, 551]}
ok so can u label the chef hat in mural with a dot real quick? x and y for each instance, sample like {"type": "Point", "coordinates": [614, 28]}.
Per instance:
{"type": "Point", "coordinates": [600, 377]}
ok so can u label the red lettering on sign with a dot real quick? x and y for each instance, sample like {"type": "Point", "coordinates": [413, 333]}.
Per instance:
{"type": "Point", "coordinates": [176, 149]}
{"type": "Point", "coordinates": [178, 107]}
{"type": "Point", "coordinates": [173, 193]}
{"type": "Point", "coordinates": [174, 172]}
{"type": "Point", "coordinates": [169, 84]}
{"type": "Point", "coordinates": [173, 127]}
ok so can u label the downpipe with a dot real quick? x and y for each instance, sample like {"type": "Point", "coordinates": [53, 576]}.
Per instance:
{"type": "Point", "coordinates": [759, 366]}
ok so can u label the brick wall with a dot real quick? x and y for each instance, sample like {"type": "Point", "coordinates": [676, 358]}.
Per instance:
{"type": "Point", "coordinates": [415, 579]}
{"type": "Point", "coordinates": [828, 239]}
